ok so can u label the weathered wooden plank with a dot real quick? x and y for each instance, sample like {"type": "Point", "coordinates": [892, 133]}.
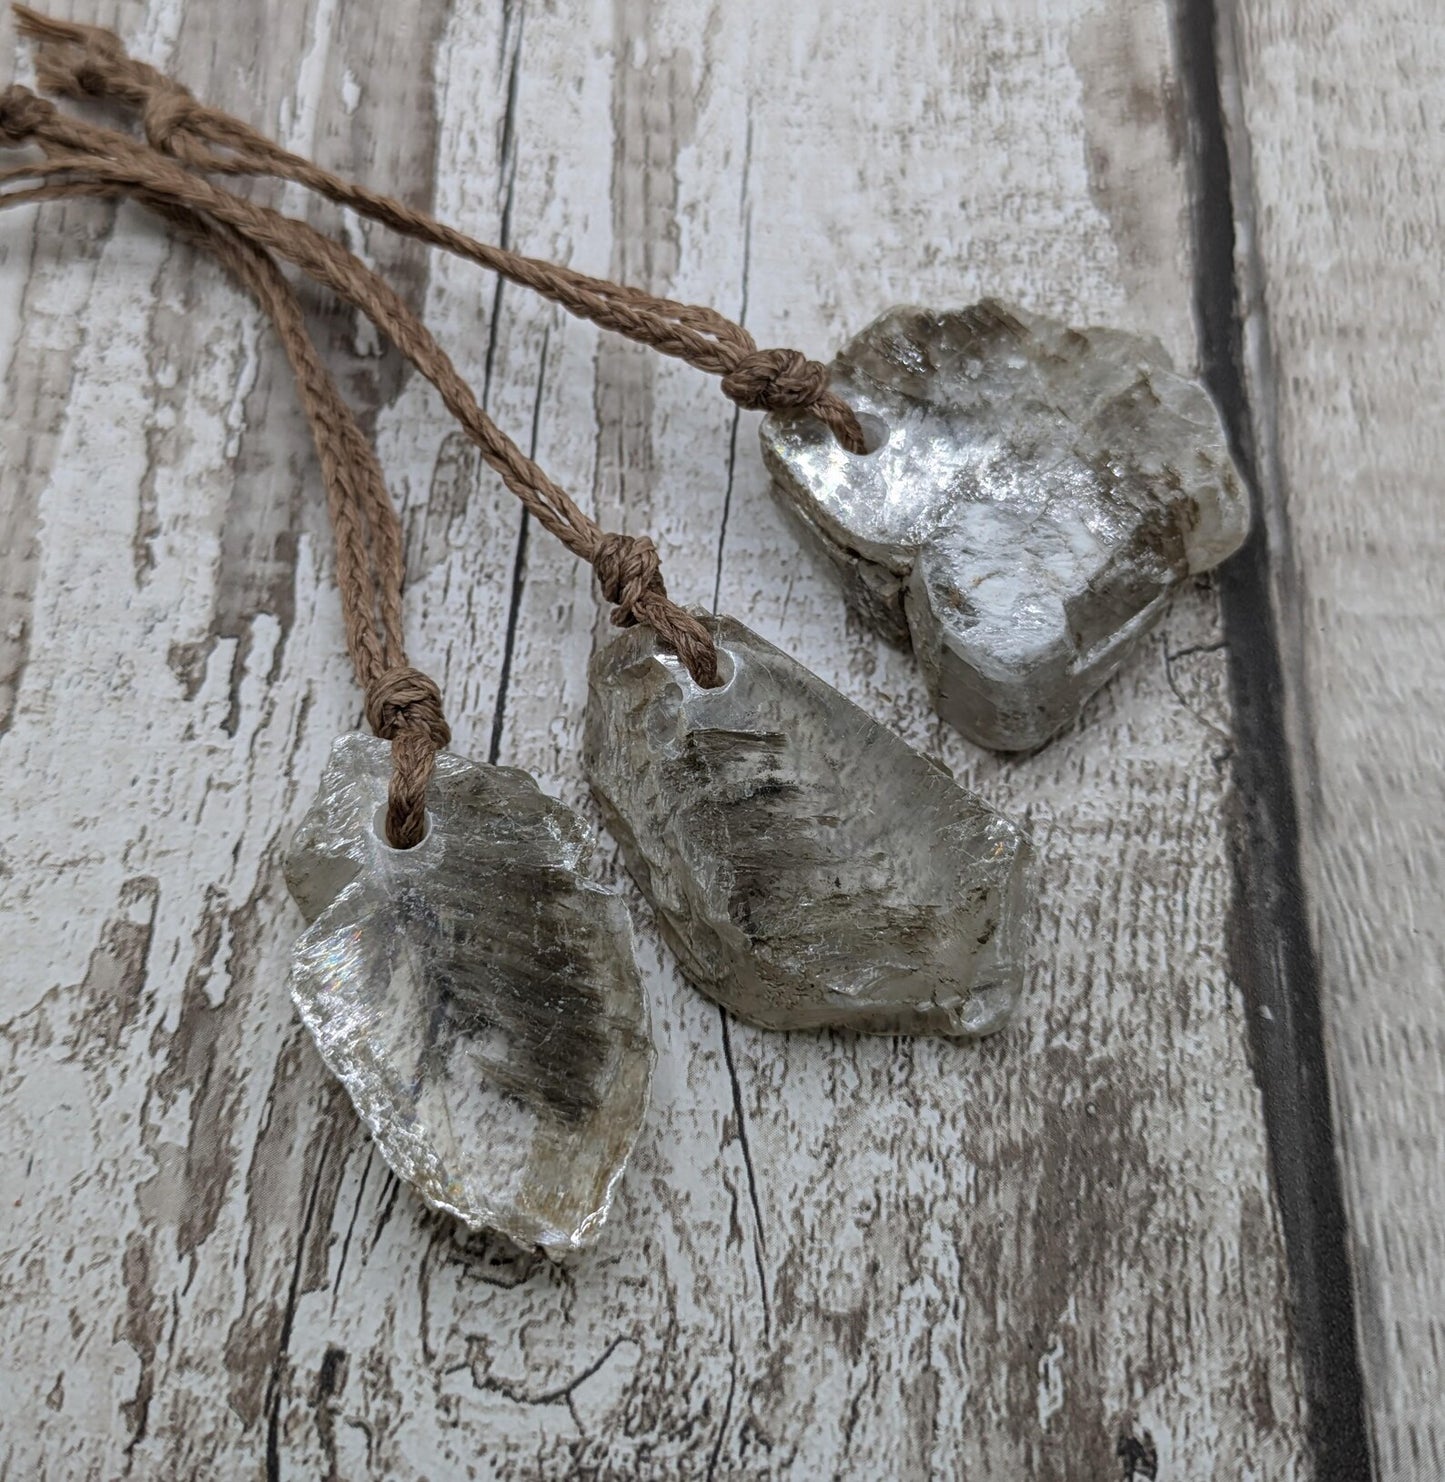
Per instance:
{"type": "Point", "coordinates": [1053, 1255]}
{"type": "Point", "coordinates": [1338, 127]}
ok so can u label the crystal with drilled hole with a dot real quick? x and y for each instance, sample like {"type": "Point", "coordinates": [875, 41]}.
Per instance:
{"type": "Point", "coordinates": [478, 996]}
{"type": "Point", "coordinates": [808, 867]}
{"type": "Point", "coordinates": [1035, 494]}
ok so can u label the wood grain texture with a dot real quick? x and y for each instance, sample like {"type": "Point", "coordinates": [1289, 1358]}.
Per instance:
{"type": "Point", "coordinates": [1054, 1255]}
{"type": "Point", "coordinates": [1339, 116]}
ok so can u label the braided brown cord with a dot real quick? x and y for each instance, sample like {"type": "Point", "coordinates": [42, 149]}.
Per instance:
{"type": "Point", "coordinates": [88, 61]}
{"type": "Point", "coordinates": [80, 150]}
{"type": "Point", "coordinates": [403, 705]}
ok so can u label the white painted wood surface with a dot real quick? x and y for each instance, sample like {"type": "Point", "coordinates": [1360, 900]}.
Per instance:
{"type": "Point", "coordinates": [1054, 1255]}
{"type": "Point", "coordinates": [1342, 112]}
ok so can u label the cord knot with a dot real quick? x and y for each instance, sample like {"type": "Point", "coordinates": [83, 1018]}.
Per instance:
{"type": "Point", "coordinates": [776, 381]}
{"type": "Point", "coordinates": [629, 572]}
{"type": "Point", "coordinates": [404, 699]}
{"type": "Point", "coordinates": [166, 112]}
{"type": "Point", "coordinates": [93, 69]}
{"type": "Point", "coordinates": [22, 114]}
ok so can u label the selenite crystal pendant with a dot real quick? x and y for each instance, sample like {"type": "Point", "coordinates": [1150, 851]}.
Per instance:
{"type": "Point", "coordinates": [808, 866]}
{"type": "Point", "coordinates": [477, 996]}
{"type": "Point", "coordinates": [1037, 492]}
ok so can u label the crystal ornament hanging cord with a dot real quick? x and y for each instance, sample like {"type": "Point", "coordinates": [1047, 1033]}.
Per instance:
{"type": "Point", "coordinates": [808, 867]}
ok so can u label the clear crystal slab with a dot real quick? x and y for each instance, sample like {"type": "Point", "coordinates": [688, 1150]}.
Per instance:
{"type": "Point", "coordinates": [808, 867]}
{"type": "Point", "coordinates": [477, 995]}
{"type": "Point", "coordinates": [1037, 493]}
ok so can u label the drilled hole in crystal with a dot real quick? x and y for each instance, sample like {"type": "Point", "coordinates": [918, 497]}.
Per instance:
{"type": "Point", "coordinates": [874, 430]}
{"type": "Point", "coordinates": [378, 827]}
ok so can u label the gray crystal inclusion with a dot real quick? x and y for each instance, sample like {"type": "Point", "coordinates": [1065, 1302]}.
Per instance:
{"type": "Point", "coordinates": [808, 867]}
{"type": "Point", "coordinates": [477, 995]}
{"type": "Point", "coordinates": [1037, 493]}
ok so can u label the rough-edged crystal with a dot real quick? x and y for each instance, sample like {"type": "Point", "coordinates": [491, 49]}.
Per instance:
{"type": "Point", "coordinates": [1035, 494]}
{"type": "Point", "coordinates": [477, 995]}
{"type": "Point", "coordinates": [808, 867]}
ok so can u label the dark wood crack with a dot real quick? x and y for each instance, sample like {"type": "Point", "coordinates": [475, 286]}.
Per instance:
{"type": "Point", "coordinates": [1272, 954]}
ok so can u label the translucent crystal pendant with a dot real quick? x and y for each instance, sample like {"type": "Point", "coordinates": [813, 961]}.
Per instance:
{"type": "Point", "coordinates": [808, 867]}
{"type": "Point", "coordinates": [1036, 493]}
{"type": "Point", "coordinates": [477, 995]}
